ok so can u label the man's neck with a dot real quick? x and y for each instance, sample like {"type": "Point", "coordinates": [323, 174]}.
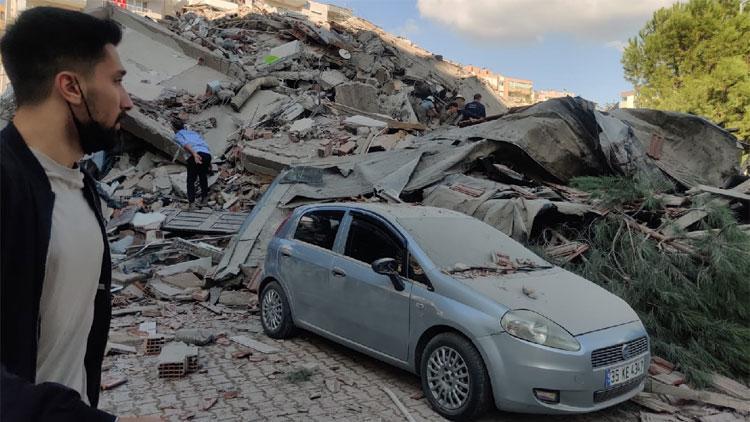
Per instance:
{"type": "Point", "coordinates": [48, 128]}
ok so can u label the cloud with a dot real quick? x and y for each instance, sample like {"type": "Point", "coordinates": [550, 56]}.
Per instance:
{"type": "Point", "coordinates": [603, 21]}
{"type": "Point", "coordinates": [410, 27]}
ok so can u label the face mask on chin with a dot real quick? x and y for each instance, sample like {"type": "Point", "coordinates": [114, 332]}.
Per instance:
{"type": "Point", "coordinates": [92, 135]}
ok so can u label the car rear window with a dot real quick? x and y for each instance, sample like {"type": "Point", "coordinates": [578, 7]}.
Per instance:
{"type": "Point", "coordinates": [319, 228]}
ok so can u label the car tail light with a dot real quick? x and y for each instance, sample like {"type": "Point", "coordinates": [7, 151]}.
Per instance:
{"type": "Point", "coordinates": [278, 229]}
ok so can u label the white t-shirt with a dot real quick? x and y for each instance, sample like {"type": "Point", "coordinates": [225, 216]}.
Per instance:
{"type": "Point", "coordinates": [71, 280]}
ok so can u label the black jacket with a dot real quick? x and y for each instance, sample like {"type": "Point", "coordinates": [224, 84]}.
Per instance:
{"type": "Point", "coordinates": [26, 207]}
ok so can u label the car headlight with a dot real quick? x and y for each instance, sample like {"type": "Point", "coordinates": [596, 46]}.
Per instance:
{"type": "Point", "coordinates": [531, 326]}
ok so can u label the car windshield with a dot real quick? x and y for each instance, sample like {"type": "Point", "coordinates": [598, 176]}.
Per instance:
{"type": "Point", "coordinates": [462, 243]}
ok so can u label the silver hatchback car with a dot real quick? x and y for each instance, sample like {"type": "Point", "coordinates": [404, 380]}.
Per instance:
{"type": "Point", "coordinates": [476, 315]}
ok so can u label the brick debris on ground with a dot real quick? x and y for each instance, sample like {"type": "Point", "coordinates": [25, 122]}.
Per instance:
{"type": "Point", "coordinates": [340, 384]}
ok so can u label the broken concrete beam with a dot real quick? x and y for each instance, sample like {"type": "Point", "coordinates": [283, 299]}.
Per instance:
{"type": "Point", "coordinates": [358, 95]}
{"type": "Point", "coordinates": [200, 266]}
{"type": "Point", "coordinates": [247, 91]}
{"type": "Point", "coordinates": [134, 310]}
{"type": "Point", "coordinates": [258, 161]}
{"type": "Point", "coordinates": [281, 54]}
{"type": "Point", "coordinates": [126, 279]}
{"type": "Point", "coordinates": [364, 121]}
{"type": "Point", "coordinates": [164, 291]}
{"type": "Point", "coordinates": [120, 348]}
{"type": "Point", "coordinates": [331, 78]}
{"type": "Point", "coordinates": [199, 249]}
{"type": "Point", "coordinates": [111, 381]}
{"type": "Point", "coordinates": [253, 344]}
{"type": "Point", "coordinates": [184, 280]}
{"type": "Point", "coordinates": [153, 132]}
{"type": "Point", "coordinates": [302, 126]}
{"type": "Point", "coordinates": [236, 298]}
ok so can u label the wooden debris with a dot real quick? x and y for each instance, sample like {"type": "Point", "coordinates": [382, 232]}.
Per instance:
{"type": "Point", "coordinates": [467, 190]}
{"type": "Point", "coordinates": [722, 417]}
{"type": "Point", "coordinates": [729, 193]}
{"type": "Point", "coordinates": [730, 387]}
{"type": "Point", "coordinates": [654, 403]}
{"type": "Point", "coordinates": [715, 399]}
{"type": "Point", "coordinates": [398, 404]}
{"type": "Point", "coordinates": [656, 417]}
{"type": "Point", "coordinates": [568, 251]}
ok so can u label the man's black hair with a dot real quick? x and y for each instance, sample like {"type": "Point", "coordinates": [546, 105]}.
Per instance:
{"type": "Point", "coordinates": [178, 124]}
{"type": "Point", "coordinates": [477, 97]}
{"type": "Point", "coordinates": [47, 40]}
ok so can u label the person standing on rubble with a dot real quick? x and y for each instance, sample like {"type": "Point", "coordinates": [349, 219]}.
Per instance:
{"type": "Point", "coordinates": [475, 109]}
{"type": "Point", "coordinates": [55, 267]}
{"type": "Point", "coordinates": [427, 110]}
{"type": "Point", "coordinates": [199, 162]}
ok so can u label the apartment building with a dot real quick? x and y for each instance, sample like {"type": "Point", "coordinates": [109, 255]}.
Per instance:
{"type": "Point", "coordinates": [627, 99]}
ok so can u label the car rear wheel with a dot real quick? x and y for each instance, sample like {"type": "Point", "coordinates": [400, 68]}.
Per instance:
{"type": "Point", "coordinates": [275, 314]}
{"type": "Point", "coordinates": [454, 378]}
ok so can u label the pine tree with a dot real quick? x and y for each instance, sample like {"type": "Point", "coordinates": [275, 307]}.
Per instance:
{"type": "Point", "coordinates": [695, 57]}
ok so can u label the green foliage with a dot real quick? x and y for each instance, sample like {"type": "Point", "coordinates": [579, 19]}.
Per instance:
{"type": "Point", "coordinates": [616, 191]}
{"type": "Point", "coordinates": [695, 307]}
{"type": "Point", "coordinates": [695, 57]}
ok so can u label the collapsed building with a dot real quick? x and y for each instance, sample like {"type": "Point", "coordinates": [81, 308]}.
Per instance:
{"type": "Point", "coordinates": [299, 109]}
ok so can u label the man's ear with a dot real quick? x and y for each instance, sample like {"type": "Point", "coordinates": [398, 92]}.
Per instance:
{"type": "Point", "coordinates": [66, 84]}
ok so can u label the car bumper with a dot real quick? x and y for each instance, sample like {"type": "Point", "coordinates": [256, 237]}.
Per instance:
{"type": "Point", "coordinates": [517, 367]}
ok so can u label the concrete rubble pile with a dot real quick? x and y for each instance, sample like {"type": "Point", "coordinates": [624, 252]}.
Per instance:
{"type": "Point", "coordinates": [298, 111]}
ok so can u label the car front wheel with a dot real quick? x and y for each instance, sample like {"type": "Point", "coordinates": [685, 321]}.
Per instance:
{"type": "Point", "coordinates": [275, 314]}
{"type": "Point", "coordinates": [454, 378]}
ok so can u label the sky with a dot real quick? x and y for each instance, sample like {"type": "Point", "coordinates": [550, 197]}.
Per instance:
{"type": "Point", "coordinates": [572, 45]}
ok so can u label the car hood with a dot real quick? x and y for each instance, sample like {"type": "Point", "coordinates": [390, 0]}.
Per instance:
{"type": "Point", "coordinates": [573, 302]}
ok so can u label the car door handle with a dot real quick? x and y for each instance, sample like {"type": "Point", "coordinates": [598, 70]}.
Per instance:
{"type": "Point", "coordinates": [286, 251]}
{"type": "Point", "coordinates": [338, 272]}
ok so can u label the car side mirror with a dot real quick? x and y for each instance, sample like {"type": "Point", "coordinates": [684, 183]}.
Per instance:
{"type": "Point", "coordinates": [389, 267]}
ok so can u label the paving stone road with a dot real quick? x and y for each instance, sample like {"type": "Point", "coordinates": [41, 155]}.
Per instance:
{"type": "Point", "coordinates": [345, 385]}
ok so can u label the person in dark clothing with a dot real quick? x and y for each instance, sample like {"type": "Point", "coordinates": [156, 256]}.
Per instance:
{"type": "Point", "coordinates": [55, 267]}
{"type": "Point", "coordinates": [475, 109]}
{"type": "Point", "coordinates": [199, 162]}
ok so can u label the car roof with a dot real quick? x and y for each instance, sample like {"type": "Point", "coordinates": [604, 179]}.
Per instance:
{"type": "Point", "coordinates": [394, 211]}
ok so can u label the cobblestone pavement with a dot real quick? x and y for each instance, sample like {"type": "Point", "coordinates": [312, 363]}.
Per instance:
{"type": "Point", "coordinates": [345, 385]}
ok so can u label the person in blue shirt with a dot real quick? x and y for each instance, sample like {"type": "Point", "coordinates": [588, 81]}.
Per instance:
{"type": "Point", "coordinates": [474, 109]}
{"type": "Point", "coordinates": [199, 162]}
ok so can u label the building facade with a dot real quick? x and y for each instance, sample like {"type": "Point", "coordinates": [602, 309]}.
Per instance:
{"type": "Point", "coordinates": [627, 99]}
{"type": "Point", "coordinates": [548, 94]}
{"type": "Point", "coordinates": [513, 91]}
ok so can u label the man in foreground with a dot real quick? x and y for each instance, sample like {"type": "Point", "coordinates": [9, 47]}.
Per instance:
{"type": "Point", "coordinates": [55, 268]}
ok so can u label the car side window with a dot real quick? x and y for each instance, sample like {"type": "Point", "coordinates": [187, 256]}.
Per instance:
{"type": "Point", "coordinates": [416, 272]}
{"type": "Point", "coordinates": [319, 228]}
{"type": "Point", "coordinates": [369, 241]}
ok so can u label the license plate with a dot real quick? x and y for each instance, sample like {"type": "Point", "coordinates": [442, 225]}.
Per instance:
{"type": "Point", "coordinates": [624, 373]}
